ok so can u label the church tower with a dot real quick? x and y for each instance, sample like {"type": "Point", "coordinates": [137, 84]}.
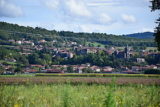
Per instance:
{"type": "Point", "coordinates": [126, 52]}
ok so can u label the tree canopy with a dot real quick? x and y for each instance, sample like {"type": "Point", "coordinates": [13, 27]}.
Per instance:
{"type": "Point", "coordinates": [156, 6]}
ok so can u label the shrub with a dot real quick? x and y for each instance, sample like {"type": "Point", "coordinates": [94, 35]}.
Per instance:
{"type": "Point", "coordinates": [152, 71]}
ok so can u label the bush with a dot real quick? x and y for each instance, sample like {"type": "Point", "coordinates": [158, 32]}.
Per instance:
{"type": "Point", "coordinates": [152, 71]}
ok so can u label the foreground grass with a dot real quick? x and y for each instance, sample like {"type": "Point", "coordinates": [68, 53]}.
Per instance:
{"type": "Point", "coordinates": [66, 95]}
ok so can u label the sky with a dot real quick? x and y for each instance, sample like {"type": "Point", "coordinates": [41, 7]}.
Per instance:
{"type": "Point", "coordinates": [102, 16]}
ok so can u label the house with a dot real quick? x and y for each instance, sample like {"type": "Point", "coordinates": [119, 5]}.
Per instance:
{"type": "Point", "coordinates": [64, 67]}
{"type": "Point", "coordinates": [143, 68]}
{"type": "Point", "coordinates": [140, 60]}
{"type": "Point", "coordinates": [74, 43]}
{"type": "Point", "coordinates": [95, 68]}
{"type": "Point", "coordinates": [123, 68]}
{"type": "Point", "coordinates": [70, 55]}
{"type": "Point", "coordinates": [107, 69]}
{"type": "Point", "coordinates": [38, 67]}
{"type": "Point", "coordinates": [19, 42]}
{"type": "Point", "coordinates": [64, 53]}
{"type": "Point", "coordinates": [86, 50]}
{"type": "Point", "coordinates": [42, 41]}
{"type": "Point", "coordinates": [153, 67]}
{"type": "Point", "coordinates": [110, 52]}
{"type": "Point", "coordinates": [79, 68]}
{"type": "Point", "coordinates": [158, 66]}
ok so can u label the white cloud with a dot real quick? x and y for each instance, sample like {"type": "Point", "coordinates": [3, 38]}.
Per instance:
{"type": "Point", "coordinates": [78, 8]}
{"type": "Point", "coordinates": [128, 18]}
{"type": "Point", "coordinates": [105, 19]}
{"type": "Point", "coordinates": [8, 9]}
{"type": "Point", "coordinates": [69, 7]}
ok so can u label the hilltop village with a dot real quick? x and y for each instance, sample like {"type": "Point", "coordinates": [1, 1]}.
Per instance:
{"type": "Point", "coordinates": [42, 51]}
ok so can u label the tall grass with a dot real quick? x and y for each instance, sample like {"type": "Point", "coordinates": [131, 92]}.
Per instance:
{"type": "Point", "coordinates": [66, 95]}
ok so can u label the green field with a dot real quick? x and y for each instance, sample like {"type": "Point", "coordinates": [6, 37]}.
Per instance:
{"type": "Point", "coordinates": [55, 91]}
{"type": "Point", "coordinates": [96, 44]}
{"type": "Point", "coordinates": [66, 95]}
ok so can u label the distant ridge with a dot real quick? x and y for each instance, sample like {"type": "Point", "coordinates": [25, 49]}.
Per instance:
{"type": "Point", "coordinates": [14, 31]}
{"type": "Point", "coordinates": [144, 35]}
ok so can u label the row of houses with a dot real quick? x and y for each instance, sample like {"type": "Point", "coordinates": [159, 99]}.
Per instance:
{"type": "Point", "coordinates": [80, 68]}
{"type": "Point", "coordinates": [63, 68]}
{"type": "Point", "coordinates": [106, 69]}
{"type": "Point", "coordinates": [95, 69]}
{"type": "Point", "coordinates": [138, 69]}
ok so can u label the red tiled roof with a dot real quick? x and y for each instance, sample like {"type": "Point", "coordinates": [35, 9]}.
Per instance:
{"type": "Point", "coordinates": [31, 70]}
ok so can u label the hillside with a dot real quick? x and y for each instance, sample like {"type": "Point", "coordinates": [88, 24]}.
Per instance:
{"type": "Point", "coordinates": [15, 31]}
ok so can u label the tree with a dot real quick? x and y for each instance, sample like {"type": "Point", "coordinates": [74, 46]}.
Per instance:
{"type": "Point", "coordinates": [47, 58]}
{"type": "Point", "coordinates": [34, 58]}
{"type": "Point", "coordinates": [1, 70]}
{"type": "Point", "coordinates": [3, 35]}
{"type": "Point", "coordinates": [18, 69]}
{"type": "Point", "coordinates": [3, 53]}
{"type": "Point", "coordinates": [156, 6]}
{"type": "Point", "coordinates": [70, 69]}
{"type": "Point", "coordinates": [87, 70]}
{"type": "Point", "coordinates": [22, 59]}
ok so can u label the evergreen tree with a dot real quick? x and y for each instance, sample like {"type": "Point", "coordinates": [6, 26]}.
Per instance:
{"type": "Point", "coordinates": [156, 6]}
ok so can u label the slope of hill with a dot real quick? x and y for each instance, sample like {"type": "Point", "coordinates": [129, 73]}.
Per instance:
{"type": "Point", "coordinates": [144, 35]}
{"type": "Point", "coordinates": [35, 34]}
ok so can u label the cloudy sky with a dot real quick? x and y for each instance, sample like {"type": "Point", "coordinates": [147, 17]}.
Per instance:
{"type": "Point", "coordinates": [106, 16]}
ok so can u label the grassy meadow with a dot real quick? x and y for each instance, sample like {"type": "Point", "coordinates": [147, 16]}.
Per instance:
{"type": "Point", "coordinates": [82, 95]}
{"type": "Point", "coordinates": [88, 91]}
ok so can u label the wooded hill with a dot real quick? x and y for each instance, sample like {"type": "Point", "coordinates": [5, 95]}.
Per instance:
{"type": "Point", "coordinates": [14, 31]}
{"type": "Point", "coordinates": [144, 35]}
